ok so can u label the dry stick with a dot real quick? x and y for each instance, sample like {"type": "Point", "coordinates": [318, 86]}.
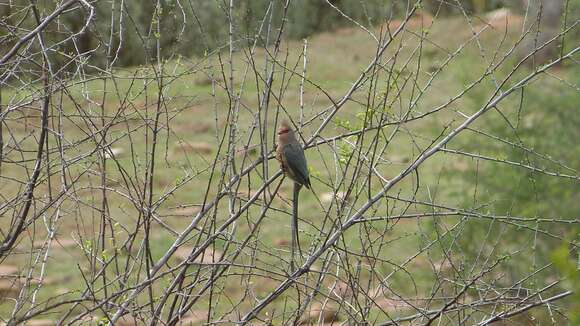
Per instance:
{"type": "Point", "coordinates": [1, 139]}
{"type": "Point", "coordinates": [362, 77]}
{"type": "Point", "coordinates": [231, 258]}
{"type": "Point", "coordinates": [508, 314]}
{"type": "Point", "coordinates": [35, 31]}
{"type": "Point", "coordinates": [476, 305]}
{"type": "Point", "coordinates": [183, 235]}
{"type": "Point", "coordinates": [17, 228]}
{"type": "Point", "coordinates": [422, 158]}
{"type": "Point", "coordinates": [463, 290]}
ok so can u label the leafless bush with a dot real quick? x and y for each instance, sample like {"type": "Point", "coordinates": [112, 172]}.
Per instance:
{"type": "Point", "coordinates": [150, 195]}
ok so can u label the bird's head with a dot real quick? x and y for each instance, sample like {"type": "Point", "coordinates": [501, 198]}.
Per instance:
{"type": "Point", "coordinates": [285, 133]}
{"type": "Point", "coordinates": [284, 128]}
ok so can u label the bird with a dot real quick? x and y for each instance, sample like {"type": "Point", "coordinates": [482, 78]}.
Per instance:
{"type": "Point", "coordinates": [290, 154]}
{"type": "Point", "coordinates": [292, 160]}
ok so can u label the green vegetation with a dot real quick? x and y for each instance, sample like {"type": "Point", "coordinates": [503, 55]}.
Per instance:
{"type": "Point", "coordinates": [198, 27]}
{"type": "Point", "coordinates": [484, 172]}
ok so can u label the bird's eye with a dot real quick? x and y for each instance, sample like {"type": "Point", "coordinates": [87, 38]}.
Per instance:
{"type": "Point", "coordinates": [283, 131]}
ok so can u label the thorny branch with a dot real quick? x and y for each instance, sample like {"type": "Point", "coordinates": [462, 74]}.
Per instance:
{"type": "Point", "coordinates": [145, 192]}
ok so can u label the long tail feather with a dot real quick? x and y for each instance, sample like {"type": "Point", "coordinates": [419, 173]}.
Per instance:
{"type": "Point", "coordinates": [295, 238]}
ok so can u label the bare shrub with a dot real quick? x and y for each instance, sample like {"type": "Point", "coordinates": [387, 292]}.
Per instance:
{"type": "Point", "coordinates": [150, 194]}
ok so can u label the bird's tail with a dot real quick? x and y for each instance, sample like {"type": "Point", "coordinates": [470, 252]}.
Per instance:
{"type": "Point", "coordinates": [295, 237]}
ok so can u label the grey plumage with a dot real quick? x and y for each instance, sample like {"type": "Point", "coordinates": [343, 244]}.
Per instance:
{"type": "Point", "coordinates": [292, 160]}
{"type": "Point", "coordinates": [296, 162]}
{"type": "Point", "coordinates": [290, 154]}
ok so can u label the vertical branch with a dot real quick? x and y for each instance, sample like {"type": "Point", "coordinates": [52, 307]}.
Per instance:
{"type": "Point", "coordinates": [304, 58]}
{"type": "Point", "coordinates": [159, 71]}
{"type": "Point", "coordinates": [18, 227]}
{"type": "Point", "coordinates": [1, 132]}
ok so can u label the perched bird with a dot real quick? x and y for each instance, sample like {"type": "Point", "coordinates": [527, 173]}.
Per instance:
{"type": "Point", "coordinates": [291, 157]}
{"type": "Point", "coordinates": [290, 154]}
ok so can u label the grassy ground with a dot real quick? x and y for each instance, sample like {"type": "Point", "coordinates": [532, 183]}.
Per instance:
{"type": "Point", "coordinates": [192, 125]}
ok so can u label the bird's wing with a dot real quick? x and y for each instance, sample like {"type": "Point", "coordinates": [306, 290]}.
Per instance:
{"type": "Point", "coordinates": [296, 162]}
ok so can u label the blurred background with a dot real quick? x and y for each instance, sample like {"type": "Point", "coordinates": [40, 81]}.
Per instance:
{"type": "Point", "coordinates": [138, 185]}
